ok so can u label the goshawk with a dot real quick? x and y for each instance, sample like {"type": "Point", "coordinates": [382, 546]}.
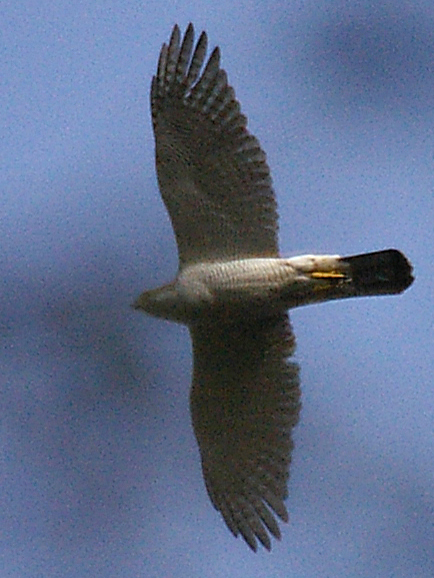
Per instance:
{"type": "Point", "coordinates": [233, 289]}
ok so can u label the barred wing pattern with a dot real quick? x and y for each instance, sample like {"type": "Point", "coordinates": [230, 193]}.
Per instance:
{"type": "Point", "coordinates": [216, 185]}
{"type": "Point", "coordinates": [212, 173]}
{"type": "Point", "coordinates": [245, 400]}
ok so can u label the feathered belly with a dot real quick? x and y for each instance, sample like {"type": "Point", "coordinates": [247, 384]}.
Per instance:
{"type": "Point", "coordinates": [243, 284]}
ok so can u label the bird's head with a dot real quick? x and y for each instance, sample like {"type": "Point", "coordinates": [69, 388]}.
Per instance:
{"type": "Point", "coordinates": [162, 302]}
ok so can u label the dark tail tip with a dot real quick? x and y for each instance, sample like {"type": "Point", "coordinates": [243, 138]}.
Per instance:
{"type": "Point", "coordinates": [380, 272]}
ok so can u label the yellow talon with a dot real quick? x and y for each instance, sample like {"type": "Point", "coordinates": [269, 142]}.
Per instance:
{"type": "Point", "coordinates": [327, 275]}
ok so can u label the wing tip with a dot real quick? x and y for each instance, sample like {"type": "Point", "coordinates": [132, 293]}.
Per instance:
{"type": "Point", "coordinates": [181, 75]}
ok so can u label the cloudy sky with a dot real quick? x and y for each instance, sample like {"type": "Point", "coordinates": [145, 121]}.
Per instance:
{"type": "Point", "coordinates": [100, 469]}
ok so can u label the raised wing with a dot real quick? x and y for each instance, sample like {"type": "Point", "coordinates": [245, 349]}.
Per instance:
{"type": "Point", "coordinates": [245, 402]}
{"type": "Point", "coordinates": [213, 174]}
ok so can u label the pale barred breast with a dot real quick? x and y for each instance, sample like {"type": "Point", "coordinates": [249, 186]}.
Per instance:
{"type": "Point", "coordinates": [249, 276]}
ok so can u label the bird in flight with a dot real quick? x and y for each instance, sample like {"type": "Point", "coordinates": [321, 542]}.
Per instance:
{"type": "Point", "coordinates": [233, 289]}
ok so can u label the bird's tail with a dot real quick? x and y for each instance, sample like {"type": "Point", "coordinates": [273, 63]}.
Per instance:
{"type": "Point", "coordinates": [382, 272]}
{"type": "Point", "coordinates": [327, 277]}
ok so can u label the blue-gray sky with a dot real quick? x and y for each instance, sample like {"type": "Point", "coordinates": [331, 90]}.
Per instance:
{"type": "Point", "coordinates": [101, 474]}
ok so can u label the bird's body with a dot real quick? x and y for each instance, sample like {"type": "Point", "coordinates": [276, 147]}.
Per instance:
{"type": "Point", "coordinates": [233, 289]}
{"type": "Point", "coordinates": [266, 286]}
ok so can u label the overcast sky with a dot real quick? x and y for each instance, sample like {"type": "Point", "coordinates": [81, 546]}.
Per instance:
{"type": "Point", "coordinates": [100, 470]}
